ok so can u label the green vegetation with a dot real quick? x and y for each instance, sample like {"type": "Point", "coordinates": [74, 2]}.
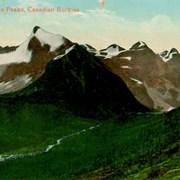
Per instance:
{"type": "Point", "coordinates": [30, 127]}
{"type": "Point", "coordinates": [144, 146]}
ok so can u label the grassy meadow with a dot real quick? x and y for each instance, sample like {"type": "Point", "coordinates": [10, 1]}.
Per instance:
{"type": "Point", "coordinates": [139, 146]}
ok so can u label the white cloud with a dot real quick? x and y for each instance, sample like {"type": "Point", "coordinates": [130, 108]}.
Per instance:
{"type": "Point", "coordinates": [161, 33]}
{"type": "Point", "coordinates": [159, 24]}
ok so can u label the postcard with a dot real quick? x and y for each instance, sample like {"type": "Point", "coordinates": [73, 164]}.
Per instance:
{"type": "Point", "coordinates": [89, 89]}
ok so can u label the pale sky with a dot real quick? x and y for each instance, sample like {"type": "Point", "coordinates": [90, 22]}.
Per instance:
{"type": "Point", "coordinates": [124, 22]}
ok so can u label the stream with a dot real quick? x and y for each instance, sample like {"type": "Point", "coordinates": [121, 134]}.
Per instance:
{"type": "Point", "coordinates": [47, 149]}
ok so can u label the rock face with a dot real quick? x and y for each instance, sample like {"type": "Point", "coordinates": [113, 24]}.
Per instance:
{"type": "Point", "coordinates": [154, 82]}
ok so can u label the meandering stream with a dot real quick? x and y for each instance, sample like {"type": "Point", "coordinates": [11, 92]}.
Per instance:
{"type": "Point", "coordinates": [47, 149]}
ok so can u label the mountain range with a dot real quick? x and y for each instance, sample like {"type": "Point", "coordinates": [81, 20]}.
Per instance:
{"type": "Point", "coordinates": [50, 68]}
{"type": "Point", "coordinates": [152, 78]}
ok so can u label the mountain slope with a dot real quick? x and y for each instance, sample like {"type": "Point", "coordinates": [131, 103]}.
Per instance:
{"type": "Point", "coordinates": [153, 82]}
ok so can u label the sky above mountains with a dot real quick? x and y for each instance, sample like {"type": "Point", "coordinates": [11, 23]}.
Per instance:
{"type": "Point", "coordinates": [123, 22]}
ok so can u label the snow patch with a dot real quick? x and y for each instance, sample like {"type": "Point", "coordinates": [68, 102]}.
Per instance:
{"type": "Point", "coordinates": [21, 54]}
{"type": "Point", "coordinates": [66, 52]}
{"type": "Point", "coordinates": [99, 55]}
{"type": "Point", "coordinates": [18, 83]}
{"type": "Point", "coordinates": [127, 58]}
{"type": "Point", "coordinates": [141, 44]}
{"type": "Point", "coordinates": [137, 81]}
{"type": "Point", "coordinates": [54, 40]}
{"type": "Point", "coordinates": [126, 67]}
{"type": "Point", "coordinates": [111, 52]}
{"type": "Point", "coordinates": [169, 56]}
{"type": "Point", "coordinates": [170, 109]}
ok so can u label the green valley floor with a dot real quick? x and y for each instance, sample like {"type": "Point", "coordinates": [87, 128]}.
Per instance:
{"type": "Point", "coordinates": [132, 146]}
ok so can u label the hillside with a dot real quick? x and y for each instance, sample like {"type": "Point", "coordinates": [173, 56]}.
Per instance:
{"type": "Point", "coordinates": [146, 145]}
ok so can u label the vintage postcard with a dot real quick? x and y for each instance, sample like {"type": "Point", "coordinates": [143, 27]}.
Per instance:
{"type": "Point", "coordinates": [89, 90]}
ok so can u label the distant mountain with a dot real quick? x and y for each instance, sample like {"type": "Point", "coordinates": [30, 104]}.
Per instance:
{"type": "Point", "coordinates": [7, 49]}
{"type": "Point", "coordinates": [154, 83]}
{"type": "Point", "coordinates": [140, 45]}
{"type": "Point", "coordinates": [169, 55]}
{"type": "Point", "coordinates": [110, 51]}
{"type": "Point", "coordinates": [113, 47]}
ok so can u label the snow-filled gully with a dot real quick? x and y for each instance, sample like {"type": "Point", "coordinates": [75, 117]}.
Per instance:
{"type": "Point", "coordinates": [47, 149]}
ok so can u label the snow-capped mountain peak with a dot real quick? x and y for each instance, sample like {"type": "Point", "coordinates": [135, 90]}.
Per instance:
{"type": "Point", "coordinates": [113, 48]}
{"type": "Point", "coordinates": [23, 52]}
{"type": "Point", "coordinates": [168, 55]}
{"type": "Point", "coordinates": [140, 45]}
{"type": "Point", "coordinates": [53, 40]}
{"type": "Point", "coordinates": [29, 59]}
{"type": "Point", "coordinates": [110, 51]}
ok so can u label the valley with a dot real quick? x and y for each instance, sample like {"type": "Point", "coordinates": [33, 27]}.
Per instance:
{"type": "Point", "coordinates": [117, 148]}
